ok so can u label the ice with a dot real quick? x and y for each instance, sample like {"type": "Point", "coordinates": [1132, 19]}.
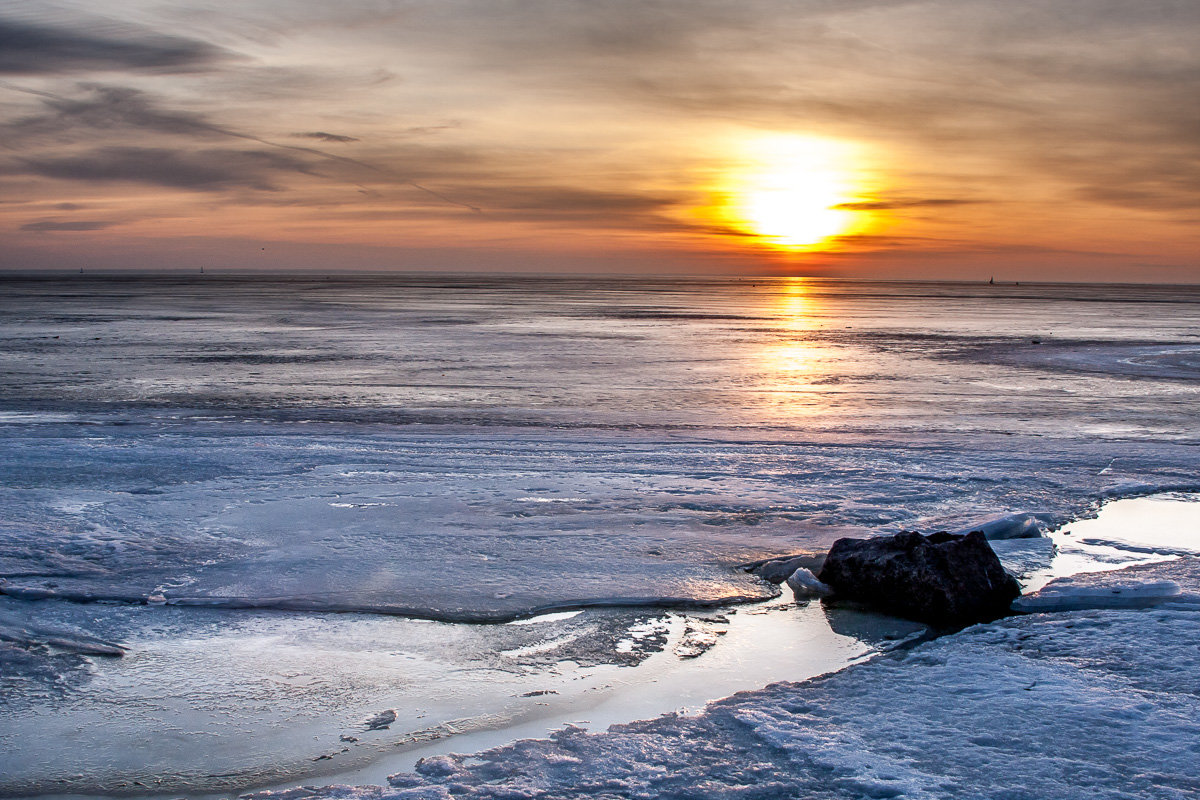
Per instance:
{"type": "Point", "coordinates": [1064, 595]}
{"type": "Point", "coordinates": [1174, 530]}
{"type": "Point", "coordinates": [16, 628]}
{"type": "Point", "coordinates": [1014, 526]}
{"type": "Point", "coordinates": [212, 700]}
{"type": "Point", "coordinates": [1128, 531]}
{"type": "Point", "coordinates": [494, 448]}
{"type": "Point", "coordinates": [433, 525]}
{"type": "Point", "coordinates": [1175, 582]}
{"type": "Point", "coordinates": [700, 636]}
{"type": "Point", "coordinates": [804, 584]}
{"type": "Point", "coordinates": [193, 468]}
{"type": "Point", "coordinates": [215, 700]}
{"type": "Point", "coordinates": [1024, 558]}
{"type": "Point", "coordinates": [1043, 706]}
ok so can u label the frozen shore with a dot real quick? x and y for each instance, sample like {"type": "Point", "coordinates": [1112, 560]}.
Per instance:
{"type": "Point", "coordinates": [1095, 690]}
{"type": "Point", "coordinates": [1096, 703]}
{"type": "Point", "coordinates": [276, 700]}
{"type": "Point", "coordinates": [197, 474]}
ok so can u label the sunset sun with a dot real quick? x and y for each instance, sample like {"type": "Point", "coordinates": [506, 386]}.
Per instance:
{"type": "Point", "coordinates": [791, 191]}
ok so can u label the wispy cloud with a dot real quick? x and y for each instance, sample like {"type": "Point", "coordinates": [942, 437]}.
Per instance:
{"type": "Point", "coordinates": [203, 170]}
{"type": "Point", "coordinates": [322, 136]}
{"type": "Point", "coordinates": [887, 205]}
{"type": "Point", "coordinates": [58, 225]}
{"type": "Point", "coordinates": [104, 108]}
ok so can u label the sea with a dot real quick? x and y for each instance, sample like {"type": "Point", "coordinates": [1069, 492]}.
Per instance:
{"type": "Point", "coordinates": [269, 530]}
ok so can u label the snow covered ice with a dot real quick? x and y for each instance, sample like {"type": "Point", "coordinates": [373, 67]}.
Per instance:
{"type": "Point", "coordinates": [1088, 703]}
{"type": "Point", "coordinates": [483, 451]}
{"type": "Point", "coordinates": [186, 461]}
{"type": "Point", "coordinates": [1103, 704]}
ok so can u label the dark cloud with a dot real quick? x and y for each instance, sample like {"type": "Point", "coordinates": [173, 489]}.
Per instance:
{"type": "Point", "coordinates": [201, 170]}
{"type": "Point", "coordinates": [54, 225]}
{"type": "Point", "coordinates": [322, 136]}
{"type": "Point", "coordinates": [1148, 196]}
{"type": "Point", "coordinates": [107, 108]}
{"type": "Point", "coordinates": [33, 49]}
{"type": "Point", "coordinates": [120, 110]}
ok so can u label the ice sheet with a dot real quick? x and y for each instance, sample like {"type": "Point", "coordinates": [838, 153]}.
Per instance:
{"type": "Point", "coordinates": [1046, 706]}
{"type": "Point", "coordinates": [487, 448]}
{"type": "Point", "coordinates": [486, 525]}
{"type": "Point", "coordinates": [212, 701]}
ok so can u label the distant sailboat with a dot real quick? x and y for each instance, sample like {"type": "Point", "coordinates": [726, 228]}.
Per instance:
{"type": "Point", "coordinates": [992, 281]}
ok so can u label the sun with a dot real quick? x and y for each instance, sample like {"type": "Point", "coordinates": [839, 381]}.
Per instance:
{"type": "Point", "coordinates": [792, 192]}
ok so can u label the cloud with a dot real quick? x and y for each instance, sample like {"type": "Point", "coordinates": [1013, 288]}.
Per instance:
{"type": "Point", "coordinates": [606, 114]}
{"type": "Point", "coordinates": [116, 111]}
{"type": "Point", "coordinates": [107, 108]}
{"type": "Point", "coordinates": [326, 137]}
{"type": "Point", "coordinates": [885, 205]}
{"type": "Point", "coordinates": [200, 170]}
{"type": "Point", "coordinates": [54, 225]}
{"type": "Point", "coordinates": [556, 199]}
{"type": "Point", "coordinates": [32, 49]}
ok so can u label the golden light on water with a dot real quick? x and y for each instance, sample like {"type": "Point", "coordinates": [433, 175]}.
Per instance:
{"type": "Point", "coordinates": [792, 365]}
{"type": "Point", "coordinates": [794, 306]}
{"type": "Point", "coordinates": [793, 192]}
{"type": "Point", "coordinates": [795, 309]}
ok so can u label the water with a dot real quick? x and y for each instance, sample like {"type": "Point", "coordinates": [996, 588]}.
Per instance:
{"type": "Point", "coordinates": [237, 457]}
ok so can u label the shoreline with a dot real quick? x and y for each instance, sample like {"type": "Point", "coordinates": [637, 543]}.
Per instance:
{"type": "Point", "coordinates": [1120, 692]}
{"type": "Point", "coordinates": [758, 625]}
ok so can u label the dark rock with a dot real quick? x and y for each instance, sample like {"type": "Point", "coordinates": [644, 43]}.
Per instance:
{"type": "Point", "coordinates": [944, 579]}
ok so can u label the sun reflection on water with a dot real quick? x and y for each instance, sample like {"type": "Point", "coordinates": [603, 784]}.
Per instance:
{"type": "Point", "coordinates": [796, 310]}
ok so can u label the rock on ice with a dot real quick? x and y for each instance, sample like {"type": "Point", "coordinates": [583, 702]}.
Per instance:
{"type": "Point", "coordinates": [943, 578]}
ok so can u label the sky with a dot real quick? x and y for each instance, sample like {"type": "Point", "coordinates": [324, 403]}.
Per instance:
{"type": "Point", "coordinates": [945, 139]}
